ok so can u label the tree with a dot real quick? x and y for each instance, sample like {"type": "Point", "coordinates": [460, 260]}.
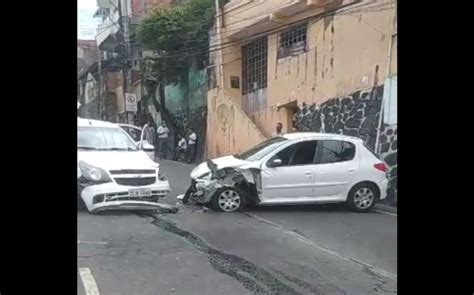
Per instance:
{"type": "Point", "coordinates": [178, 37]}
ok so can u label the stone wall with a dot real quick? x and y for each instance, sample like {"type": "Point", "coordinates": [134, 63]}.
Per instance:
{"type": "Point", "coordinates": [357, 115]}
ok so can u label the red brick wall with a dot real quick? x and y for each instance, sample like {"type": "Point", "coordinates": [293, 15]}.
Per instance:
{"type": "Point", "coordinates": [137, 7]}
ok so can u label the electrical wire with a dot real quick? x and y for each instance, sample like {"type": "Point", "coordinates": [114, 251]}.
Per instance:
{"type": "Point", "coordinates": [206, 49]}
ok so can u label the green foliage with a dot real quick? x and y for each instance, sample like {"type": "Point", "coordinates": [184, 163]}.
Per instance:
{"type": "Point", "coordinates": [179, 37]}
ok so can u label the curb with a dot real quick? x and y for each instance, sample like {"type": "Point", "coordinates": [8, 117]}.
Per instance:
{"type": "Point", "coordinates": [386, 208]}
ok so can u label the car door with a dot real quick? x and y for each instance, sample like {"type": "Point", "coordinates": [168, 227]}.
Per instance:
{"type": "Point", "coordinates": [145, 138]}
{"type": "Point", "coordinates": [294, 177]}
{"type": "Point", "coordinates": [337, 164]}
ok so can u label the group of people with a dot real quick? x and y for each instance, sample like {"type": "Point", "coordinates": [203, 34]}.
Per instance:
{"type": "Point", "coordinates": [186, 149]}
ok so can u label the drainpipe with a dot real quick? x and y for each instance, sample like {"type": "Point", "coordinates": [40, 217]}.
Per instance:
{"type": "Point", "coordinates": [218, 41]}
{"type": "Point", "coordinates": [379, 127]}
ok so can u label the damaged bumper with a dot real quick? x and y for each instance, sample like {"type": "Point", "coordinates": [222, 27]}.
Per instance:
{"type": "Point", "coordinates": [383, 185]}
{"type": "Point", "coordinates": [111, 196]}
{"type": "Point", "coordinates": [202, 189]}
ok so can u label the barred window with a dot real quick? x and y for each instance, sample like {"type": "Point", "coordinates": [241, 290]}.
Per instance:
{"type": "Point", "coordinates": [254, 65]}
{"type": "Point", "coordinates": [293, 41]}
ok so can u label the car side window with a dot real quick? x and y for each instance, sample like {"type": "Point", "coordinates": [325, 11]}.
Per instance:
{"type": "Point", "coordinates": [301, 153]}
{"type": "Point", "coordinates": [335, 151]}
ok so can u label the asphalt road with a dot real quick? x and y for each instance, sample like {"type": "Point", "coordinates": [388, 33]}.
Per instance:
{"type": "Point", "coordinates": [283, 250]}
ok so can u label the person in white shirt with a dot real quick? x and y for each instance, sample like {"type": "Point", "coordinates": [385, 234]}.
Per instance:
{"type": "Point", "coordinates": [279, 130]}
{"type": "Point", "coordinates": [162, 133]}
{"type": "Point", "coordinates": [181, 149]}
{"type": "Point", "coordinates": [191, 145]}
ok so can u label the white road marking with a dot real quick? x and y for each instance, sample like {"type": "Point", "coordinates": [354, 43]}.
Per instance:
{"type": "Point", "coordinates": [88, 281]}
{"type": "Point", "coordinates": [92, 242]}
{"type": "Point", "coordinates": [372, 268]}
{"type": "Point", "coordinates": [385, 212]}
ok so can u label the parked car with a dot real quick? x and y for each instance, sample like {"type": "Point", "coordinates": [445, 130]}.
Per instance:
{"type": "Point", "coordinates": [296, 168]}
{"type": "Point", "coordinates": [135, 133]}
{"type": "Point", "coordinates": [113, 172]}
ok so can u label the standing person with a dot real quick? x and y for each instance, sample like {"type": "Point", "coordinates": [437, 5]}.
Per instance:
{"type": "Point", "coordinates": [279, 130]}
{"type": "Point", "coordinates": [151, 134]}
{"type": "Point", "coordinates": [162, 133]}
{"type": "Point", "coordinates": [191, 145]}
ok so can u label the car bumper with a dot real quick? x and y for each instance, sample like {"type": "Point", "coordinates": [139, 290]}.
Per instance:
{"type": "Point", "coordinates": [199, 190]}
{"type": "Point", "coordinates": [383, 185]}
{"type": "Point", "coordinates": [114, 196]}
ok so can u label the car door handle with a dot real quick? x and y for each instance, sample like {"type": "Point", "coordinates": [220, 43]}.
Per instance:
{"type": "Point", "coordinates": [308, 173]}
{"type": "Point", "coordinates": [351, 170]}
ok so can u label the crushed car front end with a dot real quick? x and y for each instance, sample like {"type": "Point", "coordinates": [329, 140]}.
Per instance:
{"type": "Point", "coordinates": [124, 189]}
{"type": "Point", "coordinates": [206, 182]}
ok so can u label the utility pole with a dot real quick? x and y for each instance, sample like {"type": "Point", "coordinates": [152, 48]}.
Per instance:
{"type": "Point", "coordinates": [99, 80]}
{"type": "Point", "coordinates": [220, 60]}
{"type": "Point", "coordinates": [124, 31]}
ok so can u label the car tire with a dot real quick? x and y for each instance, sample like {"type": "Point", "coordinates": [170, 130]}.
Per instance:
{"type": "Point", "coordinates": [187, 195]}
{"type": "Point", "coordinates": [362, 197]}
{"type": "Point", "coordinates": [227, 200]}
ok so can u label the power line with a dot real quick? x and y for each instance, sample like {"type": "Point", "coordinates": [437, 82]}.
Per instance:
{"type": "Point", "coordinates": [206, 49]}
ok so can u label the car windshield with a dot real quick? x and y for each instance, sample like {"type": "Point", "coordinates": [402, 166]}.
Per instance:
{"type": "Point", "coordinates": [101, 138]}
{"type": "Point", "coordinates": [258, 152]}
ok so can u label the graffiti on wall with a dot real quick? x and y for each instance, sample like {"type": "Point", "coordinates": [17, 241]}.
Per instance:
{"type": "Point", "coordinates": [357, 114]}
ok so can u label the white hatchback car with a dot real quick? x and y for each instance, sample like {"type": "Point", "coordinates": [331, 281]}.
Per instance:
{"type": "Point", "coordinates": [113, 172]}
{"type": "Point", "coordinates": [296, 168]}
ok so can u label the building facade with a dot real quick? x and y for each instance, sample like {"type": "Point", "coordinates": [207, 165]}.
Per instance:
{"type": "Point", "coordinates": [86, 54]}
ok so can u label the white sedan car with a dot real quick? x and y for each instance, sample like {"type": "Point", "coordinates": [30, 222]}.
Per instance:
{"type": "Point", "coordinates": [297, 168]}
{"type": "Point", "coordinates": [113, 172]}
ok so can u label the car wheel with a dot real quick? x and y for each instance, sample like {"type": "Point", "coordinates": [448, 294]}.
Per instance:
{"type": "Point", "coordinates": [227, 200]}
{"type": "Point", "coordinates": [187, 195]}
{"type": "Point", "coordinates": [362, 197]}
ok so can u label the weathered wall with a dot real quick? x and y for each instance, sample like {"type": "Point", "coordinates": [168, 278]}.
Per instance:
{"type": "Point", "coordinates": [356, 114]}
{"type": "Point", "coordinates": [344, 53]}
{"type": "Point", "coordinates": [190, 92]}
{"type": "Point", "coordinates": [229, 130]}
{"type": "Point", "coordinates": [187, 102]}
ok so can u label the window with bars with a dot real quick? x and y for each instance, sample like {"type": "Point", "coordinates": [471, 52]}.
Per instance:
{"type": "Point", "coordinates": [254, 65]}
{"type": "Point", "coordinates": [293, 41]}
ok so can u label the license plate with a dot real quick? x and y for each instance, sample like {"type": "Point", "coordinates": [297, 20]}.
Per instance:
{"type": "Point", "coordinates": [140, 192]}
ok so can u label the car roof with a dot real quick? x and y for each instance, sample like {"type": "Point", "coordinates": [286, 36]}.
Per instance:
{"type": "Point", "coordinates": [316, 135]}
{"type": "Point", "coordinates": [81, 122]}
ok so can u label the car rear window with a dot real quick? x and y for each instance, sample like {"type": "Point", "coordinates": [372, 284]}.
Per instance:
{"type": "Point", "coordinates": [371, 151]}
{"type": "Point", "coordinates": [337, 151]}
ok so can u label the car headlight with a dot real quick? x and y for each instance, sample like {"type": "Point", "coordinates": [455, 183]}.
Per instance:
{"type": "Point", "coordinates": [205, 175]}
{"type": "Point", "coordinates": [94, 173]}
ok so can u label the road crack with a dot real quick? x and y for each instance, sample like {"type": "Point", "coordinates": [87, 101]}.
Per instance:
{"type": "Point", "coordinates": [380, 286]}
{"type": "Point", "coordinates": [248, 274]}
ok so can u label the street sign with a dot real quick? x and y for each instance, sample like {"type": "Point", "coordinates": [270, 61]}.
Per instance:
{"type": "Point", "coordinates": [131, 102]}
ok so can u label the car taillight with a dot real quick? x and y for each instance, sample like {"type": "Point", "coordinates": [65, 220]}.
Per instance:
{"type": "Point", "coordinates": [381, 166]}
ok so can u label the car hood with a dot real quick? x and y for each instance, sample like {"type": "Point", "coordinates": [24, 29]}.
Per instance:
{"type": "Point", "coordinates": [116, 160]}
{"type": "Point", "coordinates": [222, 162]}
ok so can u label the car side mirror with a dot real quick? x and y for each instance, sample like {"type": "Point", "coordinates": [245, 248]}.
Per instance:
{"type": "Point", "coordinates": [276, 163]}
